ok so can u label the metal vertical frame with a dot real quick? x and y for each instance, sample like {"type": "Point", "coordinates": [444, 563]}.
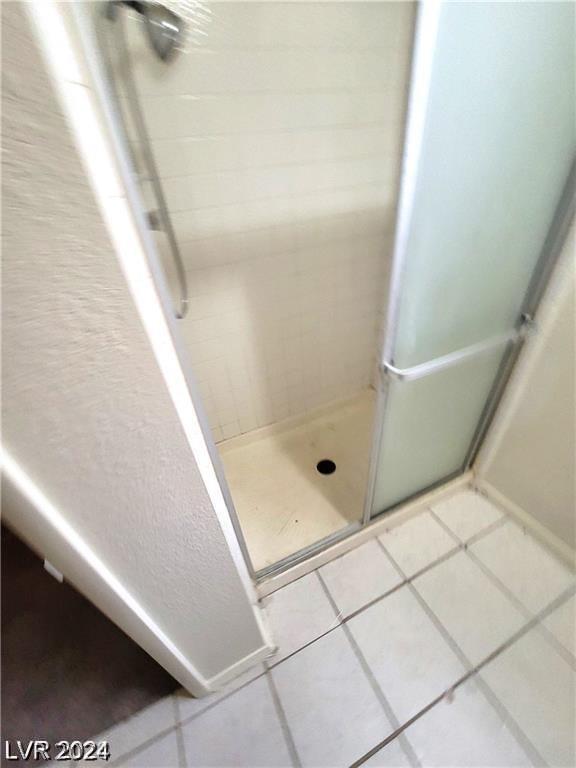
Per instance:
{"type": "Point", "coordinates": [549, 255]}
{"type": "Point", "coordinates": [425, 39]}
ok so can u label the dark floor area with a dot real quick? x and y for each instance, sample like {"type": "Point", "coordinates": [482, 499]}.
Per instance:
{"type": "Point", "coordinates": [68, 672]}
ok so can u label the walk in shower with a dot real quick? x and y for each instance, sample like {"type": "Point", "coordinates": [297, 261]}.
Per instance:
{"type": "Point", "coordinates": [267, 141]}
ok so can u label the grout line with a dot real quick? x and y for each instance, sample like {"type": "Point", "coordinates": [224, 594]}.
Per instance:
{"type": "Point", "coordinates": [271, 666]}
{"type": "Point", "coordinates": [461, 656]}
{"type": "Point", "coordinates": [465, 543]}
{"type": "Point", "coordinates": [376, 536]}
{"type": "Point", "coordinates": [380, 184]}
{"type": "Point", "coordinates": [189, 719]}
{"type": "Point", "coordinates": [509, 722]}
{"type": "Point", "coordinates": [382, 155]}
{"type": "Point", "coordinates": [376, 124]}
{"type": "Point", "coordinates": [533, 622]}
{"type": "Point", "coordinates": [565, 595]}
{"type": "Point", "coordinates": [142, 746]}
{"type": "Point", "coordinates": [502, 710]}
{"type": "Point", "coordinates": [398, 733]}
{"type": "Point", "coordinates": [513, 726]}
{"type": "Point", "coordinates": [384, 703]}
{"type": "Point", "coordinates": [179, 735]}
{"type": "Point", "coordinates": [405, 580]}
{"type": "Point", "coordinates": [556, 644]}
{"type": "Point", "coordinates": [386, 706]}
{"type": "Point", "coordinates": [526, 612]}
{"type": "Point", "coordinates": [295, 49]}
{"type": "Point", "coordinates": [526, 528]}
{"type": "Point", "coordinates": [354, 90]}
{"type": "Point", "coordinates": [298, 244]}
{"type": "Point", "coordinates": [290, 743]}
{"type": "Point", "coordinates": [507, 718]}
{"type": "Point", "coordinates": [346, 619]}
{"type": "Point", "coordinates": [503, 588]}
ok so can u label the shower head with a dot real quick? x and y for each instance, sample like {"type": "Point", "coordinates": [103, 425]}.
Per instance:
{"type": "Point", "coordinates": [164, 28]}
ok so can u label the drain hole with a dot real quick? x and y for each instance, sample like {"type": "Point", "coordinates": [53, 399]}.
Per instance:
{"type": "Point", "coordinates": [326, 467]}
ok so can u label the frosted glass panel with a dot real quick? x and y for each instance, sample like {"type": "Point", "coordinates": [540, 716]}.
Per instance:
{"type": "Point", "coordinates": [498, 140]}
{"type": "Point", "coordinates": [428, 427]}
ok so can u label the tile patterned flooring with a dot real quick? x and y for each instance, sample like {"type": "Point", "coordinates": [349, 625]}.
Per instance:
{"type": "Point", "coordinates": [283, 503]}
{"type": "Point", "coordinates": [447, 641]}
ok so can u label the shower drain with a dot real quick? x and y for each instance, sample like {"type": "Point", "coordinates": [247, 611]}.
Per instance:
{"type": "Point", "coordinates": [326, 467]}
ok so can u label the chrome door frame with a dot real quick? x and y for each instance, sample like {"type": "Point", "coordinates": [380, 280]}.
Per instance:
{"type": "Point", "coordinates": [424, 47]}
{"type": "Point", "coordinates": [421, 74]}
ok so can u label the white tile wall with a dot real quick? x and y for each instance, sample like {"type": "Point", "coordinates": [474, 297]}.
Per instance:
{"type": "Point", "coordinates": [277, 134]}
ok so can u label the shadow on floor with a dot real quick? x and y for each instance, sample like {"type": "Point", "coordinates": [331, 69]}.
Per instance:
{"type": "Point", "coordinates": [68, 672]}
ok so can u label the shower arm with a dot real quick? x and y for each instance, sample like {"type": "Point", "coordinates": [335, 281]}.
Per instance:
{"type": "Point", "coordinates": [112, 7]}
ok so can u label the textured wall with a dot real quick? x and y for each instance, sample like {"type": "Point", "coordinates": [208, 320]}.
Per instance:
{"type": "Point", "coordinates": [277, 134]}
{"type": "Point", "coordinates": [86, 411]}
{"type": "Point", "coordinates": [531, 455]}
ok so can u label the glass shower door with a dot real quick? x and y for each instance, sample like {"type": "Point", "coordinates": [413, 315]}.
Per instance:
{"type": "Point", "coordinates": [489, 148]}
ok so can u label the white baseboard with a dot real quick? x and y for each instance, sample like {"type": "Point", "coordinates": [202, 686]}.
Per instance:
{"type": "Point", "coordinates": [239, 667]}
{"type": "Point", "coordinates": [378, 526]}
{"type": "Point", "coordinates": [539, 531]}
{"type": "Point", "coordinates": [38, 522]}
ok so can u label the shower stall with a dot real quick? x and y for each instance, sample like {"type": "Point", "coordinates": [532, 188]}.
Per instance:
{"type": "Point", "coordinates": [356, 206]}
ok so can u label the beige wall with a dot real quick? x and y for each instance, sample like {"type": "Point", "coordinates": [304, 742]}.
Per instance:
{"type": "Point", "coordinates": [530, 454]}
{"type": "Point", "coordinates": [88, 418]}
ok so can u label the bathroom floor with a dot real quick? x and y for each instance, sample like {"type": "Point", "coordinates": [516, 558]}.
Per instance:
{"type": "Point", "coordinates": [283, 502]}
{"type": "Point", "coordinates": [446, 641]}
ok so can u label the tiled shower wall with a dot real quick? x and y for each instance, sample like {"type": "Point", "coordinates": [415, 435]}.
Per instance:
{"type": "Point", "coordinates": [277, 134]}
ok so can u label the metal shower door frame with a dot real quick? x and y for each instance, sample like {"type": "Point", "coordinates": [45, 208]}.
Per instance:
{"type": "Point", "coordinates": [425, 38]}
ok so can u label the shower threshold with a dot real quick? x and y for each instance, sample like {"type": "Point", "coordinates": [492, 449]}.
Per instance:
{"type": "Point", "coordinates": [300, 484]}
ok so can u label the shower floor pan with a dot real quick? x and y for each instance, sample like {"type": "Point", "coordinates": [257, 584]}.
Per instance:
{"type": "Point", "coordinates": [283, 500]}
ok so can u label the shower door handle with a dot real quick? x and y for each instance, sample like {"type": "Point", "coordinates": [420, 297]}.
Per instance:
{"type": "Point", "coordinates": [526, 328]}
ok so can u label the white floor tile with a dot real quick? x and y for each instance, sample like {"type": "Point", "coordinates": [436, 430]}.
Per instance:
{"type": "Point", "coordinates": [241, 731]}
{"type": "Point", "coordinates": [298, 613]}
{"type": "Point", "coordinates": [465, 732]}
{"type": "Point", "coordinates": [390, 756]}
{"type": "Point", "coordinates": [537, 687]}
{"type": "Point", "coordinates": [467, 513]}
{"type": "Point", "coordinates": [405, 651]}
{"type": "Point", "coordinates": [161, 754]}
{"type": "Point", "coordinates": [187, 705]}
{"type": "Point", "coordinates": [146, 724]}
{"type": "Point", "coordinates": [531, 573]}
{"type": "Point", "coordinates": [359, 576]}
{"type": "Point", "coordinates": [417, 543]}
{"type": "Point", "coordinates": [562, 624]}
{"type": "Point", "coordinates": [476, 613]}
{"type": "Point", "coordinates": [333, 713]}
